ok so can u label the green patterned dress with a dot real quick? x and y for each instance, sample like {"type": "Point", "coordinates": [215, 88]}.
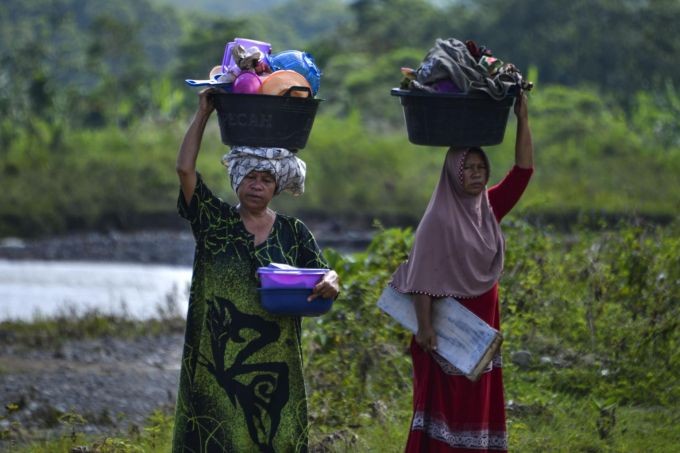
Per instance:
{"type": "Point", "coordinates": [241, 385]}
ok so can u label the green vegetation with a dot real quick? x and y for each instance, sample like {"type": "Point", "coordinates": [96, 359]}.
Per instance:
{"type": "Point", "coordinates": [155, 436]}
{"type": "Point", "coordinates": [597, 311]}
{"type": "Point", "coordinates": [90, 122]}
{"type": "Point", "coordinates": [69, 325]}
{"type": "Point", "coordinates": [591, 159]}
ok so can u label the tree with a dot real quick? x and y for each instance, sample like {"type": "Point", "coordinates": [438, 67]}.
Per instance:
{"type": "Point", "coordinates": [614, 45]}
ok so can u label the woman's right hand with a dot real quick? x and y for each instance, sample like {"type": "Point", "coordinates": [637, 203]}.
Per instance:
{"type": "Point", "coordinates": [426, 338]}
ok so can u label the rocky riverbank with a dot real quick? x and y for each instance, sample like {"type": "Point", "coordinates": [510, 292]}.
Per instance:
{"type": "Point", "coordinates": [109, 385]}
{"type": "Point", "coordinates": [100, 386]}
{"type": "Point", "coordinates": [159, 246]}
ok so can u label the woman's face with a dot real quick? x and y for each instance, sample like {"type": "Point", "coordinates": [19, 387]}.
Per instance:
{"type": "Point", "coordinates": [475, 174]}
{"type": "Point", "coordinates": [256, 190]}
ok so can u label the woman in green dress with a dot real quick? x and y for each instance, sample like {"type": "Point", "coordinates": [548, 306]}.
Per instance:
{"type": "Point", "coordinates": [241, 384]}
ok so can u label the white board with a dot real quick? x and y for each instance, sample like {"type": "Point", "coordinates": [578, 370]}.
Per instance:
{"type": "Point", "coordinates": [463, 339]}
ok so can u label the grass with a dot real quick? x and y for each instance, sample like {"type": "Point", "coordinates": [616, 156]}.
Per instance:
{"type": "Point", "coordinates": [155, 436]}
{"type": "Point", "coordinates": [71, 324]}
{"type": "Point", "coordinates": [571, 425]}
{"type": "Point", "coordinates": [538, 419]}
{"type": "Point", "coordinates": [568, 425]}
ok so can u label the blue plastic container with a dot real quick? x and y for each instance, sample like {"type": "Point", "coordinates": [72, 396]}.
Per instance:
{"type": "Point", "coordinates": [300, 62]}
{"type": "Point", "coordinates": [293, 302]}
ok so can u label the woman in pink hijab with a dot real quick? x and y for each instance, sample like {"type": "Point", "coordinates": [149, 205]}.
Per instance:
{"type": "Point", "coordinates": [458, 252]}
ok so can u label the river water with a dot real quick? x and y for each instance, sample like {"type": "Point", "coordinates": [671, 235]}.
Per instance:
{"type": "Point", "coordinates": [133, 274]}
{"type": "Point", "coordinates": [47, 288]}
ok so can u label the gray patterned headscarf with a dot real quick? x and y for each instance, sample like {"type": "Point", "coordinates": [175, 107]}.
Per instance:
{"type": "Point", "coordinates": [288, 170]}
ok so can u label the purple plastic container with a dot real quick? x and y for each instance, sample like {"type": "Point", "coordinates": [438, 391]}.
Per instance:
{"type": "Point", "coordinates": [228, 59]}
{"type": "Point", "coordinates": [264, 47]}
{"type": "Point", "coordinates": [273, 277]}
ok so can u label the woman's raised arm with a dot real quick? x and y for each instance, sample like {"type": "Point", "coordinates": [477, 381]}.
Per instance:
{"type": "Point", "coordinates": [188, 151]}
{"type": "Point", "coordinates": [524, 148]}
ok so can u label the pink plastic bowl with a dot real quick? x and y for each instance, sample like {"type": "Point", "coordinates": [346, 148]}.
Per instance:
{"type": "Point", "coordinates": [247, 83]}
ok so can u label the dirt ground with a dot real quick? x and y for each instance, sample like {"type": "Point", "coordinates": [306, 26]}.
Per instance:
{"type": "Point", "coordinates": [113, 384]}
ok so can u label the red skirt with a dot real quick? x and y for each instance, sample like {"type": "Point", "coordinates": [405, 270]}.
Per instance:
{"type": "Point", "coordinates": [451, 413]}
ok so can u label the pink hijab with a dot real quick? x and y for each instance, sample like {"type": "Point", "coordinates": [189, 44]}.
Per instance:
{"type": "Point", "coordinates": [458, 248]}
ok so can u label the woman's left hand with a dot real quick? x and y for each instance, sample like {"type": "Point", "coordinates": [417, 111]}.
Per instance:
{"type": "Point", "coordinates": [521, 110]}
{"type": "Point", "coordinates": [327, 288]}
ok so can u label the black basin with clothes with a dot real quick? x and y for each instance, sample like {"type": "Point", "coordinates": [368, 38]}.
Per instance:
{"type": "Point", "coordinates": [453, 119]}
{"type": "Point", "coordinates": [265, 120]}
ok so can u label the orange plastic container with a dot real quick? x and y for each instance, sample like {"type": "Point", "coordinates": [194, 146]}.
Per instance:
{"type": "Point", "coordinates": [279, 82]}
